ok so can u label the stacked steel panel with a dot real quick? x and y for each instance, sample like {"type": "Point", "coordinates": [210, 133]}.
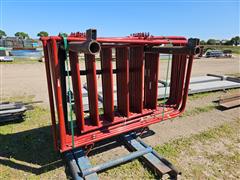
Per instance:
{"type": "Point", "coordinates": [137, 82]}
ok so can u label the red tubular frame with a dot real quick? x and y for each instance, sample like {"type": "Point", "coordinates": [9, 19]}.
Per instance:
{"type": "Point", "coordinates": [151, 80]}
{"type": "Point", "coordinates": [107, 83]}
{"type": "Point", "coordinates": [136, 81]}
{"type": "Point", "coordinates": [55, 72]}
{"type": "Point", "coordinates": [50, 93]}
{"type": "Point", "coordinates": [90, 63]}
{"type": "Point", "coordinates": [77, 88]}
{"type": "Point", "coordinates": [122, 65]}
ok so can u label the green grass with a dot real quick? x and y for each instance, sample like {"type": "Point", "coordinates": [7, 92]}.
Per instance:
{"type": "Point", "coordinates": [234, 74]}
{"type": "Point", "coordinates": [235, 49]}
{"type": "Point", "coordinates": [24, 99]}
{"type": "Point", "coordinates": [205, 94]}
{"type": "Point", "coordinates": [199, 95]}
{"type": "Point", "coordinates": [130, 170]}
{"type": "Point", "coordinates": [174, 149]}
{"type": "Point", "coordinates": [222, 164]}
{"type": "Point", "coordinates": [26, 150]}
{"type": "Point", "coordinates": [198, 110]}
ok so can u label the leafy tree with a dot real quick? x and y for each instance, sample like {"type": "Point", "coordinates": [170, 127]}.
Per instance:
{"type": "Point", "coordinates": [42, 34]}
{"type": "Point", "coordinates": [22, 35]}
{"type": "Point", "coordinates": [2, 33]}
{"type": "Point", "coordinates": [202, 42]}
{"type": "Point", "coordinates": [211, 42]}
{"type": "Point", "coordinates": [228, 42]}
{"type": "Point", "coordinates": [235, 40]}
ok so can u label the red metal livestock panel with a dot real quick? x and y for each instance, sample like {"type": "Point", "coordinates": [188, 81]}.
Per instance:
{"type": "Point", "coordinates": [137, 73]}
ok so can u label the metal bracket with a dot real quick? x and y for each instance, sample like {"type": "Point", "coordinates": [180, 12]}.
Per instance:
{"type": "Point", "coordinates": [90, 46]}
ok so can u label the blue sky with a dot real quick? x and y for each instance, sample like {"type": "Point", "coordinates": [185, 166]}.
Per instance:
{"type": "Point", "coordinates": [191, 18]}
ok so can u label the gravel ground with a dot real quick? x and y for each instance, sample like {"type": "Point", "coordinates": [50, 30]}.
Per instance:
{"type": "Point", "coordinates": [30, 79]}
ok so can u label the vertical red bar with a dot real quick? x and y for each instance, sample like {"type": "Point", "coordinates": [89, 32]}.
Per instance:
{"type": "Point", "coordinates": [187, 82]}
{"type": "Point", "coordinates": [77, 89]}
{"type": "Point", "coordinates": [92, 88]}
{"type": "Point", "coordinates": [151, 80]}
{"type": "Point", "coordinates": [181, 79]}
{"type": "Point", "coordinates": [174, 79]}
{"type": "Point", "coordinates": [50, 94]}
{"type": "Point", "coordinates": [136, 79]}
{"type": "Point", "coordinates": [61, 61]}
{"type": "Point", "coordinates": [58, 94]}
{"type": "Point", "coordinates": [122, 66]}
{"type": "Point", "coordinates": [107, 83]}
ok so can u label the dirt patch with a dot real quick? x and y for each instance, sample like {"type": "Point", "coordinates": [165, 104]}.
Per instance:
{"type": "Point", "coordinates": [24, 80]}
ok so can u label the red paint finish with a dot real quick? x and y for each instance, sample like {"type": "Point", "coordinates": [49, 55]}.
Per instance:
{"type": "Point", "coordinates": [132, 40]}
{"type": "Point", "coordinates": [107, 83]}
{"type": "Point", "coordinates": [187, 82]}
{"type": "Point", "coordinates": [136, 81]}
{"type": "Point", "coordinates": [77, 88]}
{"type": "Point", "coordinates": [58, 92]}
{"type": "Point", "coordinates": [90, 64]}
{"type": "Point", "coordinates": [181, 77]}
{"type": "Point", "coordinates": [151, 80]}
{"type": "Point", "coordinates": [174, 79]}
{"type": "Point", "coordinates": [122, 66]}
{"type": "Point", "coordinates": [50, 94]}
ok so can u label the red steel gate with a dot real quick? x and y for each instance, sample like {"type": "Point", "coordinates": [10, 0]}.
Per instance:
{"type": "Point", "coordinates": [136, 75]}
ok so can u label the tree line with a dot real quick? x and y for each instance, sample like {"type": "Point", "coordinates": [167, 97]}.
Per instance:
{"type": "Point", "coordinates": [24, 35]}
{"type": "Point", "coordinates": [233, 41]}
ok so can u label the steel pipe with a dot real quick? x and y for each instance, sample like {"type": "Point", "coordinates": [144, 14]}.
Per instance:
{"type": "Point", "coordinates": [178, 50]}
{"type": "Point", "coordinates": [72, 165]}
{"type": "Point", "coordinates": [88, 47]}
{"type": "Point", "coordinates": [192, 48]}
{"type": "Point", "coordinates": [115, 162]}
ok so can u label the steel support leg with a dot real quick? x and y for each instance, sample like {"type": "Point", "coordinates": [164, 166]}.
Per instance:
{"type": "Point", "coordinates": [80, 167]}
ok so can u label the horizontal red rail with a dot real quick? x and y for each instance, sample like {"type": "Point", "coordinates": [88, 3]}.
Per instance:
{"type": "Point", "coordinates": [157, 41]}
